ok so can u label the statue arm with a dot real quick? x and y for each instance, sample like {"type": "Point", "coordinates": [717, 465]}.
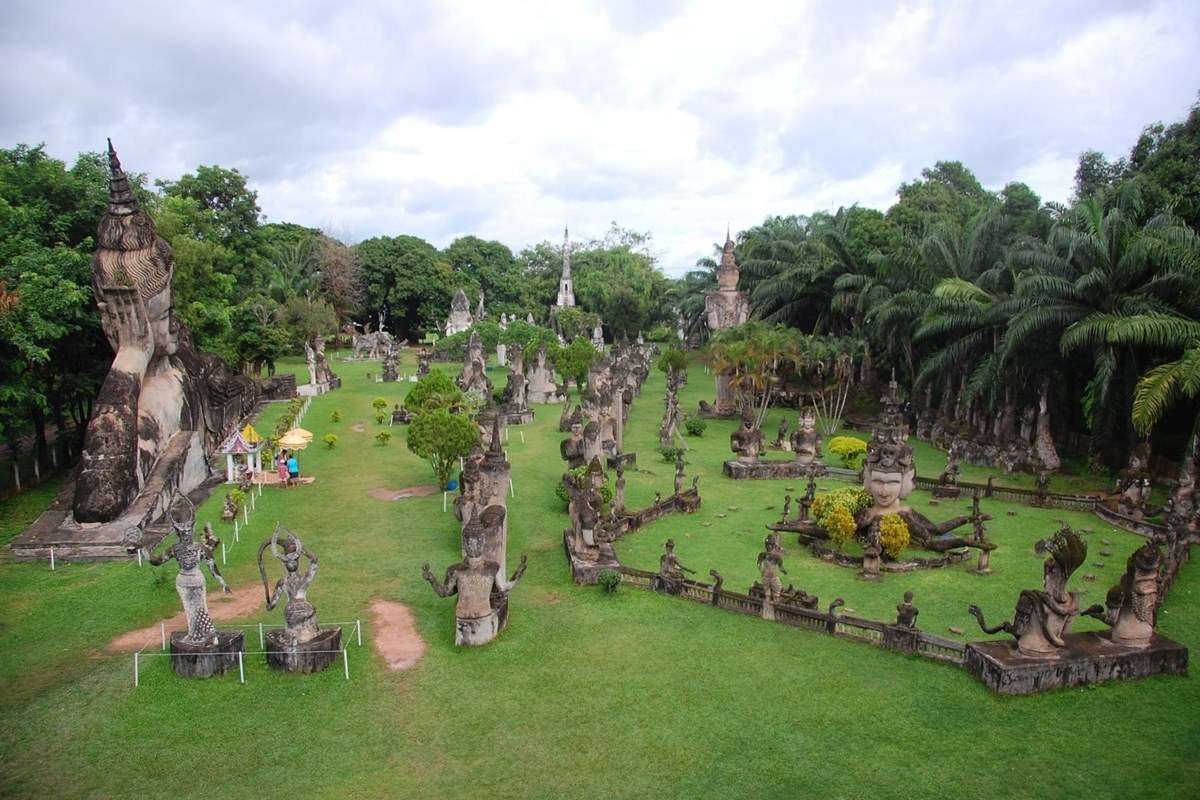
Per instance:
{"type": "Point", "coordinates": [451, 583]}
{"type": "Point", "coordinates": [273, 597]}
{"type": "Point", "coordinates": [216, 573]}
{"type": "Point", "coordinates": [161, 558]}
{"type": "Point", "coordinates": [506, 586]}
{"type": "Point", "coordinates": [1004, 627]}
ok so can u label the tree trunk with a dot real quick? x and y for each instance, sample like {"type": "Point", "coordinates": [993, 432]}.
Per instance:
{"type": "Point", "coordinates": [40, 450]}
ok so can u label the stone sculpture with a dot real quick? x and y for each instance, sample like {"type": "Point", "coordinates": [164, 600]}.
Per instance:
{"type": "Point", "coordinates": [781, 438]}
{"type": "Point", "coordinates": [770, 566]}
{"type": "Point", "coordinates": [1132, 605]}
{"type": "Point", "coordinates": [460, 313]}
{"type": "Point", "coordinates": [199, 651]}
{"type": "Point", "coordinates": [747, 440]}
{"type": "Point", "coordinates": [542, 388]}
{"type": "Point", "coordinates": [572, 448]}
{"type": "Point", "coordinates": [678, 472]}
{"type": "Point", "coordinates": [164, 408]}
{"type": "Point", "coordinates": [670, 570]}
{"type": "Point", "coordinates": [906, 612]}
{"type": "Point", "coordinates": [301, 646]}
{"type": "Point", "coordinates": [725, 308]}
{"type": "Point", "coordinates": [1043, 618]}
{"type": "Point", "coordinates": [390, 373]}
{"type": "Point", "coordinates": [474, 374]}
{"type": "Point", "coordinates": [228, 509]}
{"type": "Point", "coordinates": [806, 442]}
{"type": "Point", "coordinates": [482, 608]}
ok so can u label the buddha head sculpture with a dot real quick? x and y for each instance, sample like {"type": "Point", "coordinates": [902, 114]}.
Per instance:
{"type": "Point", "coordinates": [889, 473]}
{"type": "Point", "coordinates": [131, 272]}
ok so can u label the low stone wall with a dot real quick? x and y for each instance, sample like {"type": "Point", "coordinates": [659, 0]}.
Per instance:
{"type": "Point", "coordinates": [845, 626]}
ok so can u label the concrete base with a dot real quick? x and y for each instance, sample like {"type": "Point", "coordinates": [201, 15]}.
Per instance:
{"type": "Point", "coordinates": [585, 572]}
{"type": "Point", "coordinates": [205, 660]}
{"type": "Point", "coordinates": [312, 656]}
{"type": "Point", "coordinates": [765, 470]}
{"type": "Point", "coordinates": [518, 417]}
{"type": "Point", "coordinates": [1088, 658]}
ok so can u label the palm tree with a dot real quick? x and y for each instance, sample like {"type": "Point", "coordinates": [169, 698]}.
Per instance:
{"type": "Point", "coordinates": [1096, 271]}
{"type": "Point", "coordinates": [788, 273]}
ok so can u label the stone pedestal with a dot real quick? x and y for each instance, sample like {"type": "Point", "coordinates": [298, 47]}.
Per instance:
{"type": "Point", "coordinates": [1089, 657]}
{"type": "Point", "coordinates": [518, 417]}
{"type": "Point", "coordinates": [312, 656]}
{"type": "Point", "coordinates": [984, 565]}
{"type": "Point", "coordinates": [205, 660]}
{"type": "Point", "coordinates": [900, 638]}
{"type": "Point", "coordinates": [586, 572]}
{"type": "Point", "coordinates": [765, 470]}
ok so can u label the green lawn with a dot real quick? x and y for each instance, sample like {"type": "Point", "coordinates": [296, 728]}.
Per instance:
{"type": "Point", "coordinates": [585, 695]}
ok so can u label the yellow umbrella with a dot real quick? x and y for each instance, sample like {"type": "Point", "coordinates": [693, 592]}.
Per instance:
{"type": "Point", "coordinates": [250, 435]}
{"type": "Point", "coordinates": [303, 434]}
{"type": "Point", "coordinates": [293, 440]}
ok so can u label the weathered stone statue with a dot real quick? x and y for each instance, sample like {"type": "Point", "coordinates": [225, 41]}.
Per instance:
{"type": "Point", "coordinates": [906, 612]}
{"type": "Point", "coordinates": [787, 508]}
{"type": "Point", "coordinates": [1132, 605]}
{"type": "Point", "coordinates": [770, 565]}
{"type": "Point", "coordinates": [474, 375]}
{"type": "Point", "coordinates": [164, 407]}
{"type": "Point", "coordinates": [301, 646]}
{"type": "Point", "coordinates": [516, 391]}
{"type": "Point", "coordinates": [572, 448]}
{"type": "Point", "coordinates": [670, 570]}
{"type": "Point", "coordinates": [747, 440]}
{"type": "Point", "coordinates": [423, 359]}
{"type": "Point", "coordinates": [593, 448]}
{"type": "Point", "coordinates": [542, 388]}
{"type": "Point", "coordinates": [619, 491]}
{"type": "Point", "coordinates": [806, 442]}
{"type": "Point", "coordinates": [390, 373]}
{"type": "Point", "coordinates": [229, 509]}
{"type": "Point", "coordinates": [678, 472]}
{"type": "Point", "coordinates": [1043, 618]}
{"type": "Point", "coordinates": [482, 590]}
{"type": "Point", "coordinates": [725, 308]}
{"type": "Point", "coordinates": [781, 440]}
{"type": "Point", "coordinates": [460, 313]}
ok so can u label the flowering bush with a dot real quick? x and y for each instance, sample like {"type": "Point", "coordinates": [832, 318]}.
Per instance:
{"type": "Point", "coordinates": [330, 439]}
{"type": "Point", "coordinates": [835, 512]}
{"type": "Point", "coordinates": [893, 534]}
{"type": "Point", "coordinates": [839, 524]}
{"type": "Point", "coordinates": [850, 450]}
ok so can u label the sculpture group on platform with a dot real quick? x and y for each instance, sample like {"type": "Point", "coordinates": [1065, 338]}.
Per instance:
{"type": "Point", "coordinates": [301, 646]}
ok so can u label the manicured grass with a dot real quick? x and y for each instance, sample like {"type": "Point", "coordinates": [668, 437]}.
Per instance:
{"type": "Point", "coordinates": [586, 694]}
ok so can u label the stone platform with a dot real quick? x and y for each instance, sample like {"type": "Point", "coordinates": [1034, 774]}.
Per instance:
{"type": "Point", "coordinates": [312, 656]}
{"type": "Point", "coordinates": [765, 470]}
{"type": "Point", "coordinates": [1089, 657]}
{"type": "Point", "coordinates": [518, 417]}
{"type": "Point", "coordinates": [205, 660]}
{"type": "Point", "coordinates": [585, 572]}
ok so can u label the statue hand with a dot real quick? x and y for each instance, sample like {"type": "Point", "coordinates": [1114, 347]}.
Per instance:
{"type": "Point", "coordinates": [127, 325]}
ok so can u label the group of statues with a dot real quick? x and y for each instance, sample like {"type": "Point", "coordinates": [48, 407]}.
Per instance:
{"type": "Point", "coordinates": [320, 376]}
{"type": "Point", "coordinates": [1018, 437]}
{"type": "Point", "coordinates": [1043, 618]}
{"type": "Point", "coordinates": [748, 443]}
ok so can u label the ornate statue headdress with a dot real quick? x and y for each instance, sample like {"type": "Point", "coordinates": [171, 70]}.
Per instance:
{"type": "Point", "coordinates": [889, 448]}
{"type": "Point", "coordinates": [1065, 548]}
{"type": "Point", "coordinates": [182, 514]}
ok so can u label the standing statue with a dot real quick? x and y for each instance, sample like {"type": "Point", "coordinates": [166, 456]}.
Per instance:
{"type": "Point", "coordinates": [678, 472]}
{"type": "Point", "coordinates": [189, 583]}
{"type": "Point", "coordinates": [770, 565]}
{"type": "Point", "coordinates": [482, 608]}
{"type": "Point", "coordinates": [298, 614]}
{"type": "Point", "coordinates": [787, 508]}
{"type": "Point", "coordinates": [228, 509]}
{"type": "Point", "coordinates": [1043, 618]}
{"type": "Point", "coordinates": [781, 440]}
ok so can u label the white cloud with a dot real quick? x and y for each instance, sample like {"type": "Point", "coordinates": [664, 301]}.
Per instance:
{"type": "Point", "coordinates": [504, 120]}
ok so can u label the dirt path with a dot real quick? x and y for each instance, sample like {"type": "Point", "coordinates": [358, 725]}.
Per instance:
{"type": "Point", "coordinates": [383, 493]}
{"type": "Point", "coordinates": [238, 603]}
{"type": "Point", "coordinates": [396, 637]}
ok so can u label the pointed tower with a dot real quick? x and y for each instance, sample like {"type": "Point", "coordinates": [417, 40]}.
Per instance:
{"type": "Point", "coordinates": [566, 287]}
{"type": "Point", "coordinates": [725, 308]}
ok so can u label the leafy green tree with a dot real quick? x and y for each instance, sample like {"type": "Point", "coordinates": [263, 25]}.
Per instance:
{"type": "Point", "coordinates": [434, 391]}
{"type": "Point", "coordinates": [441, 438]}
{"type": "Point", "coordinates": [407, 280]}
{"type": "Point", "coordinates": [491, 267]}
{"type": "Point", "coordinates": [574, 360]}
{"type": "Point", "coordinates": [226, 196]}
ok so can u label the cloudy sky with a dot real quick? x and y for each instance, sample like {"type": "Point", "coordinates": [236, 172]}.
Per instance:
{"type": "Point", "coordinates": [443, 119]}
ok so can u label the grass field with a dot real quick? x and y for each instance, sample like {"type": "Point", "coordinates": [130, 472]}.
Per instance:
{"type": "Point", "coordinates": [585, 694]}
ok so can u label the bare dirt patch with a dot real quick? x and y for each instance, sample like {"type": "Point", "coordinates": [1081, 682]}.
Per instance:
{"type": "Point", "coordinates": [358, 427]}
{"type": "Point", "coordinates": [383, 493]}
{"type": "Point", "coordinates": [240, 602]}
{"type": "Point", "coordinates": [396, 638]}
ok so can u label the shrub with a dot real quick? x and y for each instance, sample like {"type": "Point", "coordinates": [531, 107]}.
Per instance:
{"type": "Point", "coordinates": [672, 359]}
{"type": "Point", "coordinates": [608, 580]}
{"type": "Point", "coordinates": [335, 416]}
{"type": "Point", "coordinates": [893, 534]}
{"type": "Point", "coordinates": [836, 510]}
{"type": "Point", "coordinates": [238, 497]}
{"type": "Point", "coordinates": [383, 437]}
{"type": "Point", "coordinates": [669, 453]}
{"type": "Point", "coordinates": [436, 390]}
{"type": "Point", "coordinates": [379, 404]}
{"type": "Point", "coordinates": [441, 438]}
{"type": "Point", "coordinates": [695, 426]}
{"type": "Point", "coordinates": [577, 474]}
{"type": "Point", "coordinates": [330, 440]}
{"type": "Point", "coordinates": [839, 524]}
{"type": "Point", "coordinates": [381, 418]}
{"type": "Point", "coordinates": [851, 450]}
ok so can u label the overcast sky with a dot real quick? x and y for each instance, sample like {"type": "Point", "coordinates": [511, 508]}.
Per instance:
{"type": "Point", "coordinates": [440, 120]}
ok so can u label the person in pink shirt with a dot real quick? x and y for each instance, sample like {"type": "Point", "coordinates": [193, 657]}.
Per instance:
{"type": "Point", "coordinates": [282, 468]}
